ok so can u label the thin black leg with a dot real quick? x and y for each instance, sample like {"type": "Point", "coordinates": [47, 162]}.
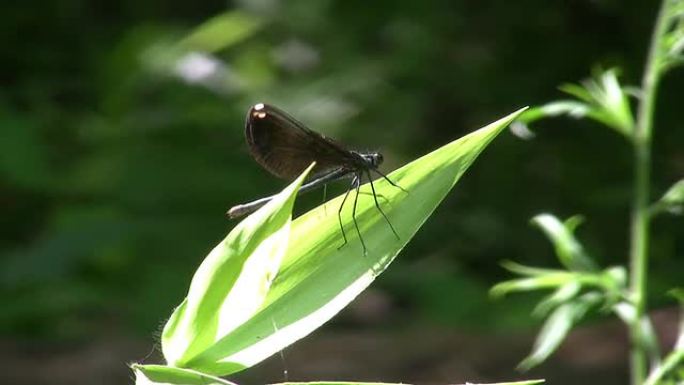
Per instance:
{"type": "Point", "coordinates": [380, 196]}
{"type": "Point", "coordinates": [357, 179]}
{"type": "Point", "coordinates": [246, 208]}
{"type": "Point", "coordinates": [389, 180]}
{"type": "Point", "coordinates": [339, 213]}
{"type": "Point", "coordinates": [377, 205]}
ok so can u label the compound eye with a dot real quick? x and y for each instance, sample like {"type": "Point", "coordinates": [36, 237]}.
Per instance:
{"type": "Point", "coordinates": [378, 159]}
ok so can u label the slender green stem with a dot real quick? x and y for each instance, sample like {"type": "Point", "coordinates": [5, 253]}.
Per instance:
{"type": "Point", "coordinates": [640, 203]}
{"type": "Point", "coordinates": [671, 362]}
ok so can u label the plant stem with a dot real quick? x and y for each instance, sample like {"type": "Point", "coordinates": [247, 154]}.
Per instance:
{"type": "Point", "coordinates": [640, 204]}
{"type": "Point", "coordinates": [675, 358]}
{"type": "Point", "coordinates": [672, 360]}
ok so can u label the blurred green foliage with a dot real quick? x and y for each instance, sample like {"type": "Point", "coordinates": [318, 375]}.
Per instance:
{"type": "Point", "coordinates": [121, 141]}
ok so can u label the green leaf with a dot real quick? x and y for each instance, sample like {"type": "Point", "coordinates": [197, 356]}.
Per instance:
{"type": "Point", "coordinates": [318, 277]}
{"type": "Point", "coordinates": [672, 201]}
{"type": "Point", "coordinates": [608, 100]}
{"type": "Point", "coordinates": [569, 251]}
{"type": "Point", "coordinates": [231, 284]}
{"type": "Point", "coordinates": [675, 194]}
{"type": "Point", "coordinates": [614, 280]}
{"type": "Point", "coordinates": [530, 271]}
{"type": "Point", "coordinates": [221, 32]}
{"type": "Point", "coordinates": [673, 364]}
{"type": "Point", "coordinates": [557, 327]}
{"type": "Point", "coordinates": [647, 340]}
{"type": "Point", "coordinates": [166, 375]}
{"type": "Point", "coordinates": [550, 280]}
{"type": "Point", "coordinates": [571, 108]}
{"type": "Point", "coordinates": [678, 294]}
{"type": "Point", "coordinates": [601, 98]}
{"type": "Point", "coordinates": [526, 382]}
{"type": "Point", "coordinates": [562, 295]}
{"type": "Point", "coordinates": [673, 39]}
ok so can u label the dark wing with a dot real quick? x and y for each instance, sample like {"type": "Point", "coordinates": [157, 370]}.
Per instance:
{"type": "Point", "coordinates": [285, 147]}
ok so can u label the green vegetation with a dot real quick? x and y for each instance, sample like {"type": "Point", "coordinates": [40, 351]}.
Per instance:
{"type": "Point", "coordinates": [582, 286]}
{"type": "Point", "coordinates": [273, 281]}
{"type": "Point", "coordinates": [121, 147]}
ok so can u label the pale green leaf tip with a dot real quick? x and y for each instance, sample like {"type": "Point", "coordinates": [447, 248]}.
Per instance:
{"type": "Point", "coordinates": [512, 116]}
{"type": "Point", "coordinates": [527, 364]}
{"type": "Point", "coordinates": [499, 290]}
{"type": "Point", "coordinates": [678, 294]}
{"type": "Point", "coordinates": [288, 193]}
{"type": "Point", "coordinates": [303, 176]}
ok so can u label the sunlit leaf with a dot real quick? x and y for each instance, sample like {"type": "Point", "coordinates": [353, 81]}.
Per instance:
{"type": "Point", "coordinates": [167, 375]}
{"type": "Point", "coordinates": [518, 268]}
{"type": "Point", "coordinates": [546, 281]}
{"type": "Point", "coordinates": [647, 337]}
{"type": "Point", "coordinates": [557, 327]}
{"type": "Point", "coordinates": [318, 277]}
{"type": "Point", "coordinates": [562, 295]}
{"type": "Point", "coordinates": [601, 98]}
{"type": "Point", "coordinates": [672, 201]}
{"type": "Point", "coordinates": [569, 251]}
{"type": "Point", "coordinates": [572, 108]}
{"type": "Point", "coordinates": [231, 284]}
{"type": "Point", "coordinates": [678, 293]}
{"type": "Point", "coordinates": [526, 382]}
{"type": "Point", "coordinates": [673, 364]}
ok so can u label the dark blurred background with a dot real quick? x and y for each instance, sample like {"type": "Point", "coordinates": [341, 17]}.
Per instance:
{"type": "Point", "coordinates": [121, 147]}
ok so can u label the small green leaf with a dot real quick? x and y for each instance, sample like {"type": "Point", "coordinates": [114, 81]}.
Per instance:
{"type": "Point", "coordinates": [551, 335]}
{"type": "Point", "coordinates": [569, 251]}
{"type": "Point", "coordinates": [530, 271]}
{"type": "Point", "coordinates": [551, 280]}
{"type": "Point", "coordinates": [608, 100]}
{"type": "Point", "coordinates": [601, 98]}
{"type": "Point", "coordinates": [647, 337]}
{"type": "Point", "coordinates": [562, 295]}
{"type": "Point", "coordinates": [231, 284]}
{"type": "Point", "coordinates": [678, 294]}
{"type": "Point", "coordinates": [221, 32]}
{"type": "Point", "coordinates": [673, 364]}
{"type": "Point", "coordinates": [614, 280]}
{"type": "Point", "coordinates": [672, 201]}
{"type": "Point", "coordinates": [557, 327]}
{"type": "Point", "coordinates": [673, 39]}
{"type": "Point", "coordinates": [318, 277]}
{"type": "Point", "coordinates": [571, 108]}
{"type": "Point", "coordinates": [675, 194]}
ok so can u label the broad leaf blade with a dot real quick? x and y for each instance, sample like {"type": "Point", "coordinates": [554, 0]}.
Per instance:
{"type": "Point", "coordinates": [318, 278]}
{"type": "Point", "coordinates": [232, 282]}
